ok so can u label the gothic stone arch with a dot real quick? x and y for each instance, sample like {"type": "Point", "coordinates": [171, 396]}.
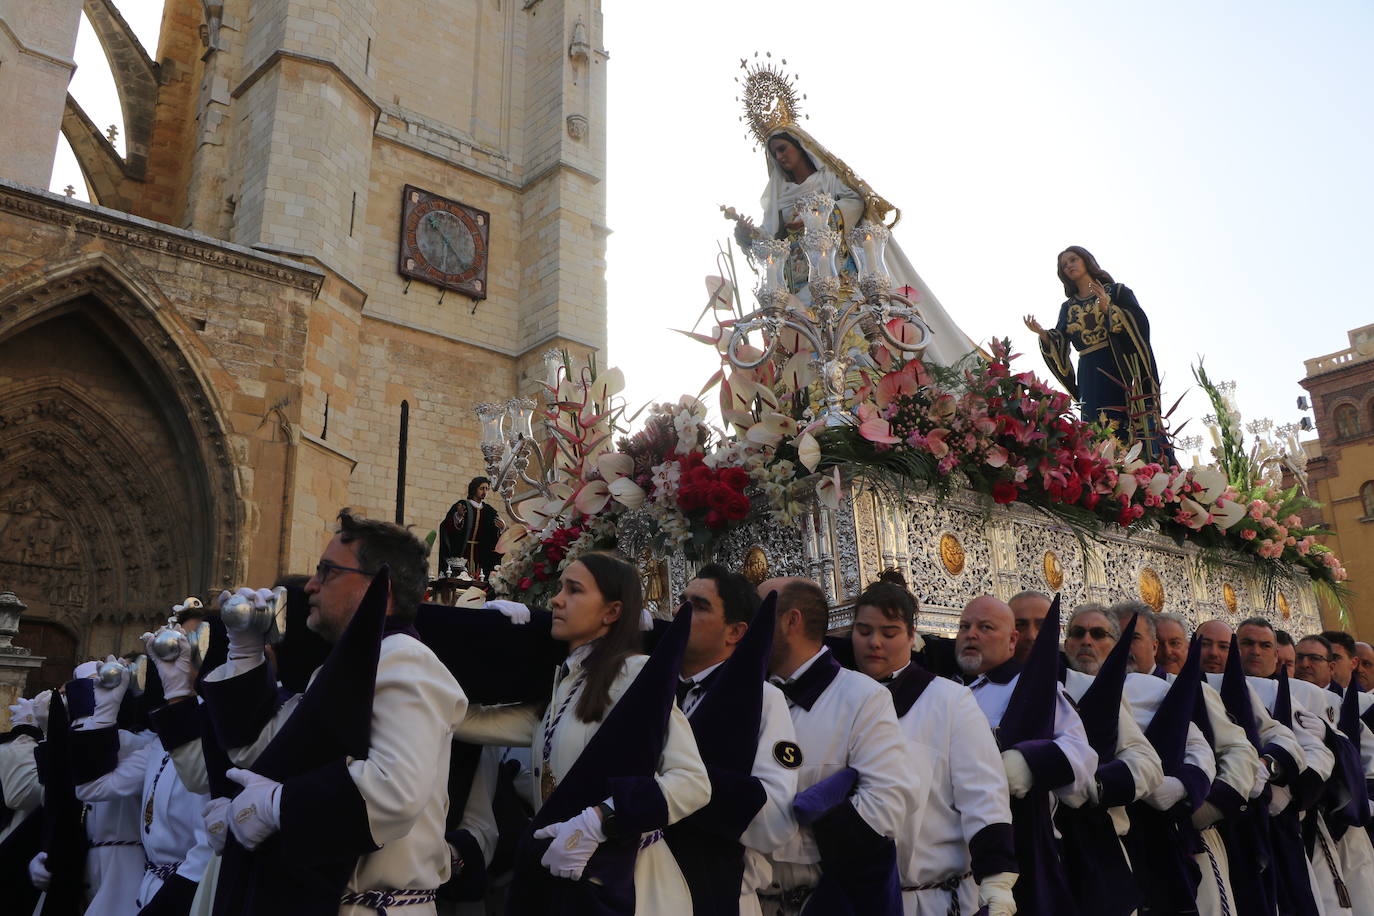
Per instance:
{"type": "Point", "coordinates": [107, 533]}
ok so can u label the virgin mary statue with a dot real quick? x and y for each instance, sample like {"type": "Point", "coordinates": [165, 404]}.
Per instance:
{"type": "Point", "coordinates": [799, 166]}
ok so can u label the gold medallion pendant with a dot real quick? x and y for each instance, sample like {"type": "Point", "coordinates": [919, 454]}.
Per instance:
{"type": "Point", "coordinates": [546, 784]}
{"type": "Point", "coordinates": [148, 812]}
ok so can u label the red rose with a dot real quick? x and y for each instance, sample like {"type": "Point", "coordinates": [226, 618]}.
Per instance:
{"type": "Point", "coordinates": [735, 478]}
{"type": "Point", "coordinates": [525, 584]}
{"type": "Point", "coordinates": [737, 507]}
{"type": "Point", "coordinates": [1004, 491]}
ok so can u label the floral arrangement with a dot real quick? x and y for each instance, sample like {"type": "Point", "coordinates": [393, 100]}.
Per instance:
{"type": "Point", "coordinates": [978, 425]}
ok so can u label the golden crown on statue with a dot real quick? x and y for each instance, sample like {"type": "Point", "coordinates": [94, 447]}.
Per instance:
{"type": "Point", "coordinates": [770, 100]}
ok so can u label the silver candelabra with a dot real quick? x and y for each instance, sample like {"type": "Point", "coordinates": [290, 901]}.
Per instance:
{"type": "Point", "coordinates": [835, 310]}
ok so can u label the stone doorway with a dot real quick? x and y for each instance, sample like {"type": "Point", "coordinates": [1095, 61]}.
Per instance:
{"type": "Point", "coordinates": [109, 512]}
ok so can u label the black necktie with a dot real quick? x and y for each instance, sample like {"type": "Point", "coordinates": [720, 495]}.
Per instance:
{"type": "Point", "coordinates": [683, 689]}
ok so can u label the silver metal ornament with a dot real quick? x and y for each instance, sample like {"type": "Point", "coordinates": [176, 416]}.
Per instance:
{"type": "Point", "coordinates": [166, 644]}
{"type": "Point", "coordinates": [109, 674]}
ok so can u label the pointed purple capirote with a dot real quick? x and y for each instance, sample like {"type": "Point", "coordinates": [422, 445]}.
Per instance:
{"type": "Point", "coordinates": [726, 725]}
{"type": "Point", "coordinates": [1029, 715]}
{"type": "Point", "coordinates": [1100, 705]}
{"type": "Point", "coordinates": [304, 868]}
{"type": "Point", "coordinates": [618, 763]}
{"type": "Point", "coordinates": [1098, 872]}
{"type": "Point", "coordinates": [1168, 730]}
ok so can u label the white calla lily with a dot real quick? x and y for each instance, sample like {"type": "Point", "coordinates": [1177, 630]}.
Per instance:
{"type": "Point", "coordinates": [628, 493]}
{"type": "Point", "coordinates": [1213, 483]}
{"type": "Point", "coordinates": [545, 512]}
{"type": "Point", "coordinates": [771, 428]}
{"type": "Point", "coordinates": [1197, 513]}
{"type": "Point", "coordinates": [610, 382]}
{"type": "Point", "coordinates": [828, 490]}
{"type": "Point", "coordinates": [592, 498]}
{"type": "Point", "coordinates": [513, 534]}
{"type": "Point", "coordinates": [808, 451]}
{"type": "Point", "coordinates": [614, 465]}
{"type": "Point", "coordinates": [1126, 484]}
{"type": "Point", "coordinates": [799, 371]}
{"type": "Point", "coordinates": [1227, 512]}
{"type": "Point", "coordinates": [1158, 483]}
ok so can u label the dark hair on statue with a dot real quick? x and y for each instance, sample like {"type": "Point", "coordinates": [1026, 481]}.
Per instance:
{"type": "Point", "coordinates": [618, 580]}
{"type": "Point", "coordinates": [1342, 639]}
{"type": "Point", "coordinates": [474, 483]}
{"type": "Point", "coordinates": [1090, 262]}
{"type": "Point", "coordinates": [382, 543]}
{"type": "Point", "coordinates": [890, 596]}
{"type": "Point", "coordinates": [806, 597]}
{"type": "Point", "coordinates": [738, 596]}
{"type": "Point", "coordinates": [784, 135]}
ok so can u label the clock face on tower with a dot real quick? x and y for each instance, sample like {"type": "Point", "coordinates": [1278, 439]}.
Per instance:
{"type": "Point", "coordinates": [444, 242]}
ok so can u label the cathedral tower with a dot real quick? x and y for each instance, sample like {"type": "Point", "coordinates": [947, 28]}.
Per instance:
{"type": "Point", "coordinates": [338, 226]}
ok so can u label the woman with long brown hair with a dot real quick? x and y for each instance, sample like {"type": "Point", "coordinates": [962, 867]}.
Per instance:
{"type": "Point", "coordinates": [597, 612]}
{"type": "Point", "coordinates": [1116, 380]}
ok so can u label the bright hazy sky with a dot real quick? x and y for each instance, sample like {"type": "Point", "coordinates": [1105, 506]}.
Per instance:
{"type": "Point", "coordinates": [1215, 157]}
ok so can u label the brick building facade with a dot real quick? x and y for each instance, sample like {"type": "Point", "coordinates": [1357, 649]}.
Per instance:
{"type": "Point", "coordinates": [1340, 464]}
{"type": "Point", "coordinates": [198, 370]}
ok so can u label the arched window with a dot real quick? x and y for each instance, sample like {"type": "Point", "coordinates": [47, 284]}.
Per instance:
{"type": "Point", "coordinates": [1347, 421]}
{"type": "Point", "coordinates": [1367, 497]}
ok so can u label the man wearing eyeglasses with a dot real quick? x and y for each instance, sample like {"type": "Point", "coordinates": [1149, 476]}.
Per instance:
{"type": "Point", "coordinates": [1343, 659]}
{"type": "Point", "coordinates": [1126, 773]}
{"type": "Point", "coordinates": [1313, 660]}
{"type": "Point", "coordinates": [386, 807]}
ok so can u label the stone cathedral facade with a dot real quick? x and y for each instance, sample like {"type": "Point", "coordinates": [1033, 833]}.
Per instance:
{"type": "Point", "coordinates": [338, 225]}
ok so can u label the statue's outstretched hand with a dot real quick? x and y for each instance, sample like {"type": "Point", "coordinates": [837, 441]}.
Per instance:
{"type": "Point", "coordinates": [1034, 325]}
{"type": "Point", "coordinates": [745, 233]}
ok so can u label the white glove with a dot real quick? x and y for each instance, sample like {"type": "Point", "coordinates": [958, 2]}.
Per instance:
{"type": "Point", "coordinates": [246, 642]}
{"type": "Point", "coordinates": [995, 893]}
{"type": "Point", "coordinates": [1280, 797]}
{"type": "Point", "coordinates": [255, 813]}
{"type": "Point", "coordinates": [38, 871]}
{"type": "Point", "coordinates": [1206, 815]}
{"type": "Point", "coordinates": [1170, 792]}
{"type": "Point", "coordinates": [1019, 778]}
{"type": "Point", "coordinates": [574, 841]}
{"type": "Point", "coordinates": [216, 818]}
{"type": "Point", "coordinates": [515, 612]}
{"type": "Point", "coordinates": [178, 675]}
{"type": "Point", "coordinates": [1313, 724]}
{"type": "Point", "coordinates": [107, 699]}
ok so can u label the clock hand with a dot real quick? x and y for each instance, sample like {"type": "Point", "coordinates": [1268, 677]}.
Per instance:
{"type": "Point", "coordinates": [434, 224]}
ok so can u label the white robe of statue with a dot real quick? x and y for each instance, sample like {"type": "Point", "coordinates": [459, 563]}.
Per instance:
{"type": "Point", "coordinates": [948, 344]}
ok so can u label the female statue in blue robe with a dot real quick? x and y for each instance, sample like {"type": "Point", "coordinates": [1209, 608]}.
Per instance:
{"type": "Point", "coordinates": [1116, 379]}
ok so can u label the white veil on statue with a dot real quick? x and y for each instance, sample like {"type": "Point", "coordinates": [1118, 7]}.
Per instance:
{"type": "Point", "coordinates": [856, 201]}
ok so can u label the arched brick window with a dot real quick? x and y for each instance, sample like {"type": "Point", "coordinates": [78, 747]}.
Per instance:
{"type": "Point", "coordinates": [1347, 421]}
{"type": "Point", "coordinates": [1367, 497]}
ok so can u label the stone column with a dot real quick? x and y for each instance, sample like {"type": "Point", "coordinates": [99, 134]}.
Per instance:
{"type": "Point", "coordinates": [15, 662]}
